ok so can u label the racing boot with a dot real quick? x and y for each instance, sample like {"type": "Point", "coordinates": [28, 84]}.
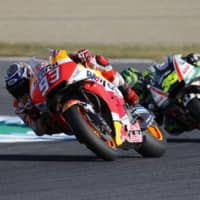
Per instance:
{"type": "Point", "coordinates": [129, 95]}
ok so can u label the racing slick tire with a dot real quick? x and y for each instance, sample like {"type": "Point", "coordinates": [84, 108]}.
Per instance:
{"type": "Point", "coordinates": [87, 134]}
{"type": "Point", "coordinates": [154, 144]}
{"type": "Point", "coordinates": [194, 108]}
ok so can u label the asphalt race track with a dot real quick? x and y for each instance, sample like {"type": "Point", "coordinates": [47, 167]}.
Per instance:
{"type": "Point", "coordinates": [68, 170]}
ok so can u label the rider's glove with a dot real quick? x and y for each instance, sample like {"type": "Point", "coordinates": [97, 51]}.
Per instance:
{"type": "Point", "coordinates": [31, 110]}
{"type": "Point", "coordinates": [84, 55]}
{"type": "Point", "coordinates": [28, 105]}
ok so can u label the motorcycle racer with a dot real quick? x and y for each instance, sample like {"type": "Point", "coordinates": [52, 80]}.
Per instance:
{"type": "Point", "coordinates": [19, 74]}
{"type": "Point", "coordinates": [133, 77]}
{"type": "Point", "coordinates": [167, 76]}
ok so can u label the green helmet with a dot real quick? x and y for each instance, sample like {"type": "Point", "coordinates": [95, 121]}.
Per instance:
{"type": "Point", "coordinates": [130, 75]}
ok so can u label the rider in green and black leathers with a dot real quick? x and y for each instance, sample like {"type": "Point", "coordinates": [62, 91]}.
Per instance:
{"type": "Point", "coordinates": [165, 76]}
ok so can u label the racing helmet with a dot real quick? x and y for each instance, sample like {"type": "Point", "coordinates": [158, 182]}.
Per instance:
{"type": "Point", "coordinates": [17, 79]}
{"type": "Point", "coordinates": [130, 75]}
{"type": "Point", "coordinates": [193, 59]}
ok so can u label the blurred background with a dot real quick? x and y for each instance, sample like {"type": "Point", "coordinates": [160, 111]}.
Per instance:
{"type": "Point", "coordinates": [127, 22]}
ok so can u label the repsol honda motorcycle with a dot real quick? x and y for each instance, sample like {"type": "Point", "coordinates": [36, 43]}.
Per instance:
{"type": "Point", "coordinates": [91, 108]}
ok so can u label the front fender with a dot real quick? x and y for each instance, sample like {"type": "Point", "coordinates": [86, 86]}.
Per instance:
{"type": "Point", "coordinates": [73, 102]}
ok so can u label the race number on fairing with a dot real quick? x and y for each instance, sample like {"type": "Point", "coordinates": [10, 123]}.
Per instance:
{"type": "Point", "coordinates": [48, 80]}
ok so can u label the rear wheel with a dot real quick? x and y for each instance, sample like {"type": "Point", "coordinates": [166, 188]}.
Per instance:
{"type": "Point", "coordinates": [154, 144]}
{"type": "Point", "coordinates": [194, 108]}
{"type": "Point", "coordinates": [88, 132]}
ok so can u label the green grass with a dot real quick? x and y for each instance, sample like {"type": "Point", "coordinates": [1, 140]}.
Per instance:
{"type": "Point", "coordinates": [111, 51]}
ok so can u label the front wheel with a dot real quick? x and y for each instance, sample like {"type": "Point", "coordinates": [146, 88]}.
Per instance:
{"type": "Point", "coordinates": [87, 132]}
{"type": "Point", "coordinates": [154, 144]}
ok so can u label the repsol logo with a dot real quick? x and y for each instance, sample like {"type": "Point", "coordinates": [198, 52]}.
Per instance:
{"type": "Point", "coordinates": [93, 76]}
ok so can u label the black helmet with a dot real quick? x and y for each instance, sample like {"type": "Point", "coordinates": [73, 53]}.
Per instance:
{"type": "Point", "coordinates": [17, 79]}
{"type": "Point", "coordinates": [192, 58]}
